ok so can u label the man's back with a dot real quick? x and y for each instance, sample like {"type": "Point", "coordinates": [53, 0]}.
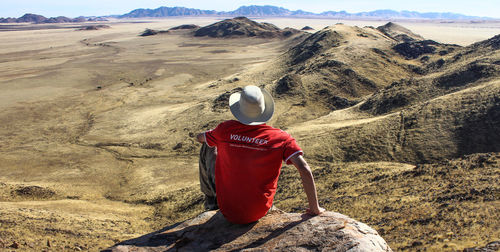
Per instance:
{"type": "Point", "coordinates": [249, 159]}
{"type": "Point", "coordinates": [247, 167]}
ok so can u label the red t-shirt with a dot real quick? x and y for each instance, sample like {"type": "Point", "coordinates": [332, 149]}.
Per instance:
{"type": "Point", "coordinates": [247, 167]}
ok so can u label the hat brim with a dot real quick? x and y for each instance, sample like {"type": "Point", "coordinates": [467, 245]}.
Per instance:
{"type": "Point", "coordinates": [234, 105]}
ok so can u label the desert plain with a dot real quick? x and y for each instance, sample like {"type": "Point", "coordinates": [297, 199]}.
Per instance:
{"type": "Point", "coordinates": [97, 127]}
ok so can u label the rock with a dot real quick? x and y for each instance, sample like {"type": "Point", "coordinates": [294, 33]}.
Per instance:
{"type": "Point", "coordinates": [277, 231]}
{"type": "Point", "coordinates": [490, 247]}
{"type": "Point", "coordinates": [290, 84]}
{"type": "Point", "coordinates": [14, 245]}
{"type": "Point", "coordinates": [492, 43]}
{"type": "Point", "coordinates": [307, 28]}
{"type": "Point", "coordinates": [177, 146]}
{"type": "Point", "coordinates": [35, 192]}
{"type": "Point", "coordinates": [149, 32]}
{"type": "Point", "coordinates": [221, 103]}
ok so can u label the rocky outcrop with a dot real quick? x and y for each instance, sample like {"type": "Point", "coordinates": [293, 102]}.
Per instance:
{"type": "Point", "coordinates": [491, 44]}
{"type": "Point", "coordinates": [490, 247]}
{"type": "Point", "coordinates": [151, 32]}
{"type": "Point", "coordinates": [277, 231]}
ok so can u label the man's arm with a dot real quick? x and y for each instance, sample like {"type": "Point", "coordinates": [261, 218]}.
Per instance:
{"type": "Point", "coordinates": [201, 138]}
{"type": "Point", "coordinates": [308, 182]}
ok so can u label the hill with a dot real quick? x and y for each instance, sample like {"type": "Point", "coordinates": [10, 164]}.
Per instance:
{"type": "Point", "coordinates": [399, 33]}
{"type": "Point", "coordinates": [243, 27]}
{"type": "Point", "coordinates": [332, 77]}
{"type": "Point", "coordinates": [238, 27]}
{"type": "Point", "coordinates": [332, 69]}
{"type": "Point", "coordinates": [412, 104]}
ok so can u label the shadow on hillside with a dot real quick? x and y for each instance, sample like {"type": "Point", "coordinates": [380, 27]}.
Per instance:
{"type": "Point", "coordinates": [480, 133]}
{"type": "Point", "coordinates": [208, 235]}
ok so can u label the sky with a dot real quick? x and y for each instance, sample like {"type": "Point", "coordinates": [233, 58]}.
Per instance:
{"type": "Point", "coordinates": [74, 8]}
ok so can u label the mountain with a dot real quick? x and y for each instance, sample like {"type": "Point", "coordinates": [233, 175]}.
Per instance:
{"type": "Point", "coordinates": [256, 11]}
{"type": "Point", "coordinates": [411, 15]}
{"type": "Point", "coordinates": [268, 10]}
{"type": "Point", "coordinates": [39, 19]}
{"type": "Point", "coordinates": [341, 14]}
{"type": "Point", "coordinates": [265, 10]}
{"type": "Point", "coordinates": [252, 11]}
{"type": "Point", "coordinates": [167, 12]}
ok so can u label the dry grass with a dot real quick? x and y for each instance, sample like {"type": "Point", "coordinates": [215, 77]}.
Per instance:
{"type": "Point", "coordinates": [84, 167]}
{"type": "Point", "coordinates": [449, 205]}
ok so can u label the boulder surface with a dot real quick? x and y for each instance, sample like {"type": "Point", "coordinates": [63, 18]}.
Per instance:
{"type": "Point", "coordinates": [277, 231]}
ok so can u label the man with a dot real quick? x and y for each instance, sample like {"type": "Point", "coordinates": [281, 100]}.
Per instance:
{"type": "Point", "coordinates": [248, 160]}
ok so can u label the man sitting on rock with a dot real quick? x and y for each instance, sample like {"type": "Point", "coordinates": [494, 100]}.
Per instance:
{"type": "Point", "coordinates": [248, 160]}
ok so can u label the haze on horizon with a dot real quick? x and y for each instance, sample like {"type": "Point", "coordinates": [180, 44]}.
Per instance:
{"type": "Point", "coordinates": [53, 8]}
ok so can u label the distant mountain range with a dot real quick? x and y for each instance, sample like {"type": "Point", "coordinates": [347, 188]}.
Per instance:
{"type": "Point", "coordinates": [249, 11]}
{"type": "Point", "coordinates": [270, 11]}
{"type": "Point", "coordinates": [39, 19]}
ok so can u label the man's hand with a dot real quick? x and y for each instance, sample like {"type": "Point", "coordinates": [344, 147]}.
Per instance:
{"type": "Point", "coordinates": [201, 138]}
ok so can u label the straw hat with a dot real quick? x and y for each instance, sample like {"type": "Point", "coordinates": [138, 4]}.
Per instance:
{"type": "Point", "coordinates": [252, 106]}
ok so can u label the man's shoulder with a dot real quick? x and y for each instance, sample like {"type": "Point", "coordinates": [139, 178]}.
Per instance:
{"type": "Point", "coordinates": [279, 133]}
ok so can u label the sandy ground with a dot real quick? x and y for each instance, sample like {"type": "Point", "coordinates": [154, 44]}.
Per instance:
{"type": "Point", "coordinates": [101, 119]}
{"type": "Point", "coordinates": [93, 118]}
